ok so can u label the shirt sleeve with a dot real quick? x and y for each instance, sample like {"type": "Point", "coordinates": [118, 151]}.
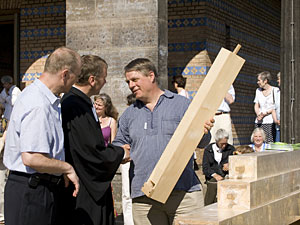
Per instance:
{"type": "Point", "coordinates": [232, 92]}
{"type": "Point", "coordinates": [2, 96]}
{"type": "Point", "coordinates": [256, 96]}
{"type": "Point", "coordinates": [35, 133]}
{"type": "Point", "coordinates": [122, 136]}
{"type": "Point", "coordinates": [277, 97]}
{"type": "Point", "coordinates": [15, 92]}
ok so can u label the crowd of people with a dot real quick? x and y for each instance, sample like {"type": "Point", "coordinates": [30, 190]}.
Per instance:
{"type": "Point", "coordinates": [267, 130]}
{"type": "Point", "coordinates": [64, 143]}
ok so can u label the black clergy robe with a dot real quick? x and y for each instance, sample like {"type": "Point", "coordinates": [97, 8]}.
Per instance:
{"type": "Point", "coordinates": [94, 163]}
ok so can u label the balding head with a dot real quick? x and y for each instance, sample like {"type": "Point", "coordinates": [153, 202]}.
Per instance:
{"type": "Point", "coordinates": [62, 69]}
{"type": "Point", "coordinates": [62, 58]}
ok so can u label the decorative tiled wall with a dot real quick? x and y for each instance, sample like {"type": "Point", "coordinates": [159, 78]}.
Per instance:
{"type": "Point", "coordinates": [197, 30]}
{"type": "Point", "coordinates": [199, 26]}
{"type": "Point", "coordinates": [42, 10]}
{"type": "Point", "coordinates": [42, 29]}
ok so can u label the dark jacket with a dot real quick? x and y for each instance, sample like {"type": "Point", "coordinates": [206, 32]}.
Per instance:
{"type": "Point", "coordinates": [94, 163]}
{"type": "Point", "coordinates": [210, 165]}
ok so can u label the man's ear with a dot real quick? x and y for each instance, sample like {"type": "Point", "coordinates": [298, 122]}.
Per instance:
{"type": "Point", "coordinates": [91, 80]}
{"type": "Point", "coordinates": [64, 74]}
{"type": "Point", "coordinates": [152, 76]}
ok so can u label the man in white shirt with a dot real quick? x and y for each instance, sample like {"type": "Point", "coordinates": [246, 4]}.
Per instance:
{"type": "Point", "coordinates": [8, 95]}
{"type": "Point", "coordinates": [222, 116]}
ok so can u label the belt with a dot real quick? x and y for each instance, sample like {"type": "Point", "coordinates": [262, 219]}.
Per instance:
{"type": "Point", "coordinates": [36, 179]}
{"type": "Point", "coordinates": [220, 113]}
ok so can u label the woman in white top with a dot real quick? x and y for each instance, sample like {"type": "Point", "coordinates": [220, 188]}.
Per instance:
{"type": "Point", "coordinates": [264, 106]}
{"type": "Point", "coordinates": [179, 83]}
{"type": "Point", "coordinates": [258, 139]}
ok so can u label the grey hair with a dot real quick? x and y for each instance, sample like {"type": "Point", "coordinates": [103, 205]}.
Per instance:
{"type": "Point", "coordinates": [278, 75]}
{"type": "Point", "coordinates": [256, 130]}
{"type": "Point", "coordinates": [6, 79]}
{"type": "Point", "coordinates": [221, 134]}
{"type": "Point", "coordinates": [265, 75]}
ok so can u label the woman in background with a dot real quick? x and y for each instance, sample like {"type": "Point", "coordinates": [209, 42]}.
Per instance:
{"type": "Point", "coordinates": [108, 116]}
{"type": "Point", "coordinates": [258, 139]}
{"type": "Point", "coordinates": [264, 106]}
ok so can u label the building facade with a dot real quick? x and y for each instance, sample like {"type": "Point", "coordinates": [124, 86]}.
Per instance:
{"type": "Point", "coordinates": [179, 36]}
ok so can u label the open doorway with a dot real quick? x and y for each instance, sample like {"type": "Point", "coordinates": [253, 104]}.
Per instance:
{"type": "Point", "coordinates": [9, 47]}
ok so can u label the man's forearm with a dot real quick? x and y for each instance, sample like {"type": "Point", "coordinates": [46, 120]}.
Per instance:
{"type": "Point", "coordinates": [43, 164]}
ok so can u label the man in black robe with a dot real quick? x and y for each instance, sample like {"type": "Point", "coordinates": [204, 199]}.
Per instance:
{"type": "Point", "coordinates": [85, 149]}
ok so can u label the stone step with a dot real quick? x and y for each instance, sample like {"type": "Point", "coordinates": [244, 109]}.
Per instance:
{"type": "Point", "coordinates": [262, 164]}
{"type": "Point", "coordinates": [279, 212]}
{"type": "Point", "coordinates": [248, 194]}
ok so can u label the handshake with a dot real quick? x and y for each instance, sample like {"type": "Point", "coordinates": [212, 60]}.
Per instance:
{"type": "Point", "coordinates": [126, 158]}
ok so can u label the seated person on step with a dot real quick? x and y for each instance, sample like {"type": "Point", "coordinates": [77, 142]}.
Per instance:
{"type": "Point", "coordinates": [215, 164]}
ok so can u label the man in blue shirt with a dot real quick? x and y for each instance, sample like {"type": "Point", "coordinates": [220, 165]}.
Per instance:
{"type": "Point", "coordinates": [34, 151]}
{"type": "Point", "coordinates": [147, 126]}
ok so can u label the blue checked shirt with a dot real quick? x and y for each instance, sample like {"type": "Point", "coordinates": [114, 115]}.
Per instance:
{"type": "Point", "coordinates": [148, 133]}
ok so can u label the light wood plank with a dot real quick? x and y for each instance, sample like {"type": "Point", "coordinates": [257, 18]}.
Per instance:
{"type": "Point", "coordinates": [190, 130]}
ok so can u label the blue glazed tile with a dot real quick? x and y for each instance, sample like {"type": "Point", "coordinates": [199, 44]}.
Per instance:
{"type": "Point", "coordinates": [187, 22]}
{"type": "Point", "coordinates": [34, 54]}
{"type": "Point", "coordinates": [257, 60]}
{"type": "Point", "coordinates": [223, 5]}
{"type": "Point", "coordinates": [30, 76]}
{"type": "Point", "coordinates": [43, 10]}
{"type": "Point", "coordinates": [43, 32]}
{"type": "Point", "coordinates": [189, 46]}
{"type": "Point", "coordinates": [190, 70]}
{"type": "Point", "coordinates": [220, 27]}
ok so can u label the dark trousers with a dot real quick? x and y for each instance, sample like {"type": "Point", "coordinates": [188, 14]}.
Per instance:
{"type": "Point", "coordinates": [211, 192]}
{"type": "Point", "coordinates": [84, 210]}
{"type": "Point", "coordinates": [24, 205]}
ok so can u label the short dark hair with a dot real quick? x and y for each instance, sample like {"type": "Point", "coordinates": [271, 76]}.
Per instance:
{"type": "Point", "coordinates": [91, 65]}
{"type": "Point", "coordinates": [179, 80]}
{"type": "Point", "coordinates": [142, 65]}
